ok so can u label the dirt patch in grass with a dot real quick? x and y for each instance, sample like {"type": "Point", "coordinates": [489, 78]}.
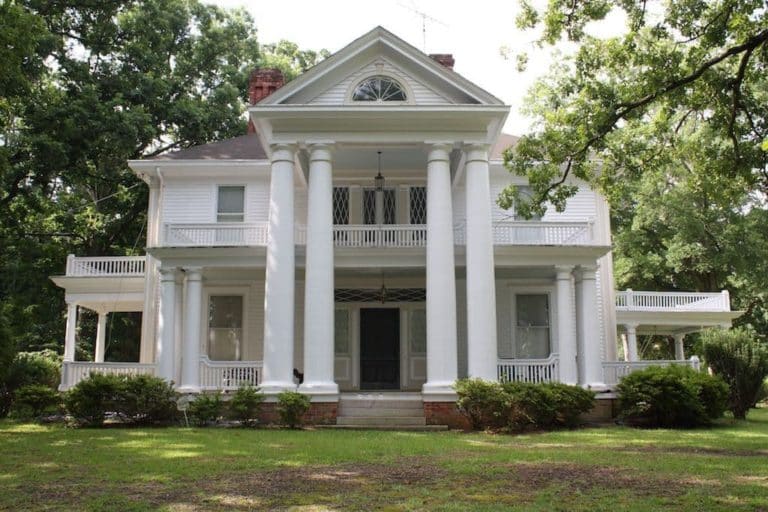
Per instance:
{"type": "Point", "coordinates": [695, 450]}
{"type": "Point", "coordinates": [577, 479]}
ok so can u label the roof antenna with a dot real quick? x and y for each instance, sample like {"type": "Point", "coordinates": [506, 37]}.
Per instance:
{"type": "Point", "coordinates": [424, 18]}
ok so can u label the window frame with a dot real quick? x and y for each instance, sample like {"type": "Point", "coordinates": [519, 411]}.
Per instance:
{"type": "Point", "coordinates": [385, 74]}
{"type": "Point", "coordinates": [550, 292]}
{"type": "Point", "coordinates": [217, 213]}
{"type": "Point", "coordinates": [226, 291]}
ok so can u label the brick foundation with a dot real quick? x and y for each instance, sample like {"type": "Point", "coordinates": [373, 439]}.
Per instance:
{"type": "Point", "coordinates": [603, 411]}
{"type": "Point", "coordinates": [320, 413]}
{"type": "Point", "coordinates": [445, 413]}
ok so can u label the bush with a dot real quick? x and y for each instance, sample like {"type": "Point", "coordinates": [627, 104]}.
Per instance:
{"type": "Point", "coordinates": [34, 400]}
{"type": "Point", "coordinates": [205, 409]}
{"type": "Point", "coordinates": [92, 398]}
{"type": "Point", "coordinates": [245, 405]}
{"type": "Point", "coordinates": [26, 368]}
{"type": "Point", "coordinates": [741, 361]}
{"type": "Point", "coordinates": [672, 396]}
{"type": "Point", "coordinates": [569, 403]}
{"type": "Point", "coordinates": [146, 400]}
{"type": "Point", "coordinates": [291, 406]}
{"type": "Point", "coordinates": [483, 402]}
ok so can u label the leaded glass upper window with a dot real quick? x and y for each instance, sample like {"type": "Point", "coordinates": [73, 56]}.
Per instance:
{"type": "Point", "coordinates": [379, 88]}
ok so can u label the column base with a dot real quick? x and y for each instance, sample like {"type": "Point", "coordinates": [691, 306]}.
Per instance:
{"type": "Point", "coordinates": [321, 391]}
{"type": "Point", "coordinates": [188, 389]}
{"type": "Point", "coordinates": [597, 387]}
{"type": "Point", "coordinates": [274, 387]}
{"type": "Point", "coordinates": [438, 392]}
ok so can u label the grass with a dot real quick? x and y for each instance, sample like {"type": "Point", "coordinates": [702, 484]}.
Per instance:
{"type": "Point", "coordinates": [180, 469]}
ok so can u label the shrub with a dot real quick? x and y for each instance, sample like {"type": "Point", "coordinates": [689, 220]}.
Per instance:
{"type": "Point", "coordinates": [92, 398]}
{"type": "Point", "coordinates": [245, 404]}
{"type": "Point", "coordinates": [528, 406]}
{"type": "Point", "coordinates": [569, 402]}
{"type": "Point", "coordinates": [34, 400]}
{"type": "Point", "coordinates": [205, 408]}
{"type": "Point", "coordinates": [291, 406]}
{"type": "Point", "coordinates": [672, 396]}
{"type": "Point", "coordinates": [483, 402]}
{"type": "Point", "coordinates": [43, 367]}
{"type": "Point", "coordinates": [146, 400]}
{"type": "Point", "coordinates": [762, 395]}
{"type": "Point", "coordinates": [741, 361]}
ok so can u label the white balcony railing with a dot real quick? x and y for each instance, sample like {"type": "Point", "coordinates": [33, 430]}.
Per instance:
{"type": "Point", "coordinates": [387, 235]}
{"type": "Point", "coordinates": [535, 233]}
{"type": "Point", "coordinates": [534, 371]}
{"type": "Point", "coordinates": [73, 372]}
{"type": "Point", "coordinates": [105, 266]}
{"type": "Point", "coordinates": [613, 371]}
{"type": "Point", "coordinates": [631, 300]}
{"type": "Point", "coordinates": [216, 234]}
{"type": "Point", "coordinates": [229, 375]}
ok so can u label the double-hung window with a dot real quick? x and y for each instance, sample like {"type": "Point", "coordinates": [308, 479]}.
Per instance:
{"type": "Point", "coordinates": [225, 327]}
{"type": "Point", "coordinates": [230, 205]}
{"type": "Point", "coordinates": [532, 339]}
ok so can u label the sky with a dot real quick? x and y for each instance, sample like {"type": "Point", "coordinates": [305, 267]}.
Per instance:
{"type": "Point", "coordinates": [474, 32]}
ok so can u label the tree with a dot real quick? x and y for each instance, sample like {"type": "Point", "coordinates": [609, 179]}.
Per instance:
{"type": "Point", "coordinates": [668, 121]}
{"type": "Point", "coordinates": [685, 63]}
{"type": "Point", "coordinates": [85, 87]}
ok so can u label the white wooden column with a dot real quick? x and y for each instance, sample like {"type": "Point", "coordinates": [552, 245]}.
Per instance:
{"type": "Point", "coordinates": [318, 284]}
{"type": "Point", "coordinates": [193, 315]}
{"type": "Point", "coordinates": [279, 286]}
{"type": "Point", "coordinates": [679, 348]}
{"type": "Point", "coordinates": [590, 351]}
{"type": "Point", "coordinates": [178, 326]}
{"type": "Point", "coordinates": [482, 351]}
{"type": "Point", "coordinates": [566, 325]}
{"type": "Point", "coordinates": [165, 345]}
{"type": "Point", "coordinates": [71, 332]}
{"type": "Point", "coordinates": [442, 352]}
{"type": "Point", "coordinates": [632, 354]}
{"type": "Point", "coordinates": [101, 335]}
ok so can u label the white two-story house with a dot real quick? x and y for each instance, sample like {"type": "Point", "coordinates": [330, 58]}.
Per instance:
{"type": "Point", "coordinates": [353, 236]}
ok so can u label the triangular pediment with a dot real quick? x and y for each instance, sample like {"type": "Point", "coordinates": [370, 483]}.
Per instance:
{"type": "Point", "coordinates": [379, 52]}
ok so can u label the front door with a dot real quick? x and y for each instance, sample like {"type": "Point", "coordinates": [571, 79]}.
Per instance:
{"type": "Point", "coordinates": [379, 348]}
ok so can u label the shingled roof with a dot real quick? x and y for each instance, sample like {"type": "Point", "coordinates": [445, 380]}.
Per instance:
{"type": "Point", "coordinates": [248, 147]}
{"type": "Point", "coordinates": [245, 147]}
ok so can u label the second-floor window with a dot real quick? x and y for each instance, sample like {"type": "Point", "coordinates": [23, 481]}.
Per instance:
{"type": "Point", "coordinates": [230, 206]}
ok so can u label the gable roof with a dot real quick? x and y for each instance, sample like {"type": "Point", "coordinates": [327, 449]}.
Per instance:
{"type": "Point", "coordinates": [245, 147]}
{"type": "Point", "coordinates": [328, 69]}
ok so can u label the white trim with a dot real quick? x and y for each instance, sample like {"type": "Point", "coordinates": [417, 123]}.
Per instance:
{"type": "Point", "coordinates": [217, 187]}
{"type": "Point", "coordinates": [379, 63]}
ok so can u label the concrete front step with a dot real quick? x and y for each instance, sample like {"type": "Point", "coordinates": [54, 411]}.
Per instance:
{"type": "Point", "coordinates": [381, 420]}
{"type": "Point", "coordinates": [375, 404]}
{"type": "Point", "coordinates": [408, 428]}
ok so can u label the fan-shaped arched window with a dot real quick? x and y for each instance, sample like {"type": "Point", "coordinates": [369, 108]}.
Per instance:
{"type": "Point", "coordinates": [379, 88]}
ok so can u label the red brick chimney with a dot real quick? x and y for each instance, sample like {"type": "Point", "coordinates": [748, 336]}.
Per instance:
{"type": "Point", "coordinates": [261, 84]}
{"type": "Point", "coordinates": [444, 59]}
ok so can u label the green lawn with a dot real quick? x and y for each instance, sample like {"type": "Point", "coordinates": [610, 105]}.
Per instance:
{"type": "Point", "coordinates": [53, 468]}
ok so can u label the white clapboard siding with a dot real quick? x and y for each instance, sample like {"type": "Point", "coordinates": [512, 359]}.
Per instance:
{"type": "Point", "coordinates": [300, 206]}
{"type": "Point", "coordinates": [422, 94]}
{"type": "Point", "coordinates": [461, 326]}
{"type": "Point", "coordinates": [298, 327]}
{"type": "Point", "coordinates": [581, 207]}
{"type": "Point", "coordinates": [459, 206]}
{"type": "Point", "coordinates": [253, 349]}
{"type": "Point", "coordinates": [194, 202]}
{"type": "Point", "coordinates": [504, 335]}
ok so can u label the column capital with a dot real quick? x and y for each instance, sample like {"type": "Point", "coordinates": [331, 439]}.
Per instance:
{"type": "Point", "coordinates": [282, 152]}
{"type": "Point", "coordinates": [194, 273]}
{"type": "Point", "coordinates": [320, 151]}
{"type": "Point", "coordinates": [587, 272]}
{"type": "Point", "coordinates": [167, 273]}
{"type": "Point", "coordinates": [631, 326]}
{"type": "Point", "coordinates": [439, 151]}
{"type": "Point", "coordinates": [564, 272]}
{"type": "Point", "coordinates": [476, 152]}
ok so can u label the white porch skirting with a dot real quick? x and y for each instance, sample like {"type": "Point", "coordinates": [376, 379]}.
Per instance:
{"type": "Point", "coordinates": [73, 372]}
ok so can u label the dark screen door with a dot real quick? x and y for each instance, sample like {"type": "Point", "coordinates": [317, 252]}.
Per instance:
{"type": "Point", "coordinates": [380, 348]}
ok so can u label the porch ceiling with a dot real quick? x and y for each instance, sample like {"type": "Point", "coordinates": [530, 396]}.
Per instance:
{"type": "Point", "coordinates": [675, 322]}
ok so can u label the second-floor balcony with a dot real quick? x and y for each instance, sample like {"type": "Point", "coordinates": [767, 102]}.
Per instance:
{"type": "Point", "coordinates": [535, 233]}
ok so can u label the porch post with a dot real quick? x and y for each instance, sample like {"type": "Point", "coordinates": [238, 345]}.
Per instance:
{"type": "Point", "coordinates": [69, 337]}
{"type": "Point", "coordinates": [482, 351]}
{"type": "Point", "coordinates": [679, 350]}
{"type": "Point", "coordinates": [165, 346]}
{"type": "Point", "coordinates": [442, 351]}
{"type": "Point", "coordinates": [101, 334]}
{"type": "Point", "coordinates": [566, 325]}
{"type": "Point", "coordinates": [631, 354]}
{"type": "Point", "coordinates": [193, 314]}
{"type": "Point", "coordinates": [318, 284]}
{"type": "Point", "coordinates": [590, 351]}
{"type": "Point", "coordinates": [280, 274]}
